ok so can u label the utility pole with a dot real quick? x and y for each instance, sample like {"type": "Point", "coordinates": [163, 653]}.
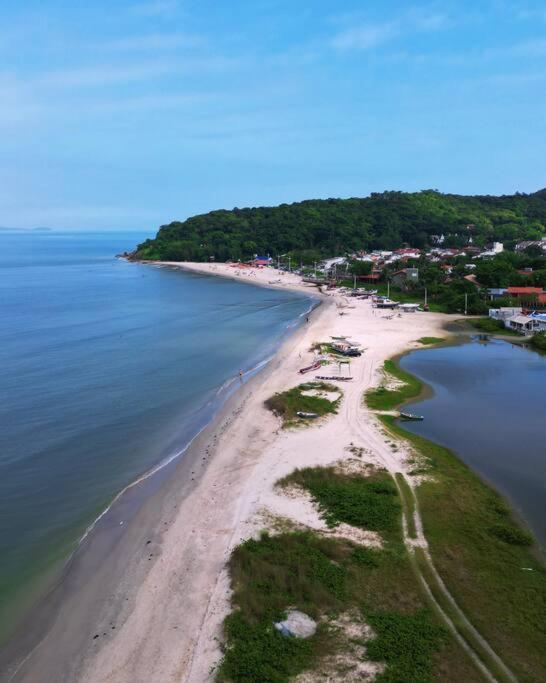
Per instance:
{"type": "Point", "coordinates": [278, 262]}
{"type": "Point", "coordinates": [466, 304]}
{"type": "Point", "coordinates": [425, 296]}
{"type": "Point", "coordinates": [289, 266]}
{"type": "Point", "coordinates": [354, 281]}
{"type": "Point", "coordinates": [388, 289]}
{"type": "Point", "coordinates": [315, 271]}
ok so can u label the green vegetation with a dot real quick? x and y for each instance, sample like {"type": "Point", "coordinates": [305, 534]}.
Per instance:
{"type": "Point", "coordinates": [408, 502]}
{"type": "Point", "coordinates": [431, 340]}
{"type": "Point", "coordinates": [407, 643]}
{"type": "Point", "coordinates": [369, 502]}
{"type": "Point", "coordinates": [538, 340]}
{"type": "Point", "coordinates": [491, 326]}
{"type": "Point", "coordinates": [406, 388]}
{"type": "Point", "coordinates": [483, 557]}
{"type": "Point", "coordinates": [314, 229]}
{"type": "Point", "coordinates": [327, 578]}
{"type": "Point", "coordinates": [268, 576]}
{"type": "Point", "coordinates": [287, 404]}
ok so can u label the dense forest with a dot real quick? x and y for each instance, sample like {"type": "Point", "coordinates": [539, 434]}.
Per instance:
{"type": "Point", "coordinates": [315, 229]}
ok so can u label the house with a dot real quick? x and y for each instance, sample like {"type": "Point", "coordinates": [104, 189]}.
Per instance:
{"type": "Point", "coordinates": [523, 324]}
{"type": "Point", "coordinates": [541, 299]}
{"type": "Point", "coordinates": [492, 250]}
{"type": "Point", "coordinates": [497, 292]}
{"type": "Point", "coordinates": [522, 246]}
{"type": "Point", "coordinates": [375, 276]}
{"type": "Point", "coordinates": [401, 278]}
{"type": "Point", "coordinates": [527, 293]}
{"type": "Point", "coordinates": [261, 260]}
{"type": "Point", "coordinates": [539, 321]}
{"type": "Point", "coordinates": [504, 313]}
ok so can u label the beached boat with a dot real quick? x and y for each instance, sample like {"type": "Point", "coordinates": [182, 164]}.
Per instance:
{"type": "Point", "coordinates": [345, 349]}
{"type": "Point", "coordinates": [411, 416]}
{"type": "Point", "coordinates": [300, 413]}
{"type": "Point", "coordinates": [316, 365]}
{"type": "Point", "coordinates": [333, 378]}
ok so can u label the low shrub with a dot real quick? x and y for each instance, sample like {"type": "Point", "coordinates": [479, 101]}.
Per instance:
{"type": "Point", "coordinates": [430, 340]}
{"type": "Point", "coordinates": [511, 534]}
{"type": "Point", "coordinates": [367, 502]}
{"type": "Point", "coordinates": [288, 403]}
{"type": "Point", "coordinates": [407, 643]}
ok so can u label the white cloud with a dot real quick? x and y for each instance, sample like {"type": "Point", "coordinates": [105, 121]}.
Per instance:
{"type": "Point", "coordinates": [369, 35]}
{"type": "Point", "coordinates": [364, 37]}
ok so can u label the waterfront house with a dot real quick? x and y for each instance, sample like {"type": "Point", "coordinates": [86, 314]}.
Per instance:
{"type": "Point", "coordinates": [262, 260]}
{"type": "Point", "coordinates": [504, 313]}
{"type": "Point", "coordinates": [524, 324]}
{"type": "Point", "coordinates": [539, 321]}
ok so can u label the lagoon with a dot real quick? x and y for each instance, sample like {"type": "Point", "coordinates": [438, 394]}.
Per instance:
{"type": "Point", "coordinates": [488, 405]}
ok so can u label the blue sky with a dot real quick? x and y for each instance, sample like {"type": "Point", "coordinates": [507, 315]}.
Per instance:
{"type": "Point", "coordinates": [130, 114]}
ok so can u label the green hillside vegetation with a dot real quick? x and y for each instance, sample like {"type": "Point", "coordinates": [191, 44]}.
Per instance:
{"type": "Point", "coordinates": [314, 229]}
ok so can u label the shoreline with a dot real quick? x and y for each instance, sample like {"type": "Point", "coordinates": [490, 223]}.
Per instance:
{"type": "Point", "coordinates": [165, 584]}
{"type": "Point", "coordinates": [101, 537]}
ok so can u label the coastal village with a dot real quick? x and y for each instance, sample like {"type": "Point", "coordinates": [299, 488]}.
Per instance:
{"type": "Point", "coordinates": [395, 279]}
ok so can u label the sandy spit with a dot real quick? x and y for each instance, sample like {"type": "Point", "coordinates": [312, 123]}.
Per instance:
{"type": "Point", "coordinates": [168, 609]}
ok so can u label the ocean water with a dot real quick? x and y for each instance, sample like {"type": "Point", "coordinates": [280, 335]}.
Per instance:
{"type": "Point", "coordinates": [107, 369]}
{"type": "Point", "coordinates": [489, 406]}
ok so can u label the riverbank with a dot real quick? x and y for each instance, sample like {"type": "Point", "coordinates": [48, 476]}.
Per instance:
{"type": "Point", "coordinates": [487, 561]}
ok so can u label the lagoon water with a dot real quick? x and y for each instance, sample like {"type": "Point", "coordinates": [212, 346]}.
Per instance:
{"type": "Point", "coordinates": [489, 406]}
{"type": "Point", "coordinates": [107, 369]}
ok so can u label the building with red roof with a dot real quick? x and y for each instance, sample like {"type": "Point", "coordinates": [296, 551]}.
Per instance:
{"type": "Point", "coordinates": [524, 291]}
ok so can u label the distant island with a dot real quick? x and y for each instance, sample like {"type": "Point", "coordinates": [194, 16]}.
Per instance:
{"type": "Point", "coordinates": [317, 228]}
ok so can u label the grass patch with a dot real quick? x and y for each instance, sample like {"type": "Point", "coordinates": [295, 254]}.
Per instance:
{"type": "Point", "coordinates": [408, 502]}
{"type": "Point", "coordinates": [369, 502]}
{"type": "Point", "coordinates": [407, 643]}
{"type": "Point", "coordinates": [324, 578]}
{"type": "Point", "coordinates": [382, 398]}
{"type": "Point", "coordinates": [430, 340]}
{"type": "Point", "coordinates": [538, 341]}
{"type": "Point", "coordinates": [491, 326]}
{"type": "Point", "coordinates": [288, 403]}
{"type": "Point", "coordinates": [484, 558]}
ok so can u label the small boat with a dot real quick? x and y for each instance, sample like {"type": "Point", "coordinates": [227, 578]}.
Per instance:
{"type": "Point", "coordinates": [334, 378]}
{"type": "Point", "coordinates": [306, 415]}
{"type": "Point", "coordinates": [316, 365]}
{"type": "Point", "coordinates": [411, 416]}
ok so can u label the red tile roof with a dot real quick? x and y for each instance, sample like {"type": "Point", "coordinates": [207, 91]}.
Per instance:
{"type": "Point", "coordinates": [542, 298]}
{"type": "Point", "coordinates": [516, 291]}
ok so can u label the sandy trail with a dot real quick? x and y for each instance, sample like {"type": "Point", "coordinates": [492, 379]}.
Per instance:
{"type": "Point", "coordinates": [171, 631]}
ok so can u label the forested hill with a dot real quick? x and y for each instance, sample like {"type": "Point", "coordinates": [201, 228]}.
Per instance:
{"type": "Point", "coordinates": [326, 227]}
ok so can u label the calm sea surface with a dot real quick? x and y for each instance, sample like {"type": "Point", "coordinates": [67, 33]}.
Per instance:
{"type": "Point", "coordinates": [107, 369]}
{"type": "Point", "coordinates": [489, 406]}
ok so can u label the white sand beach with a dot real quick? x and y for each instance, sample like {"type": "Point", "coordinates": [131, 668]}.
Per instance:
{"type": "Point", "coordinates": [170, 626]}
